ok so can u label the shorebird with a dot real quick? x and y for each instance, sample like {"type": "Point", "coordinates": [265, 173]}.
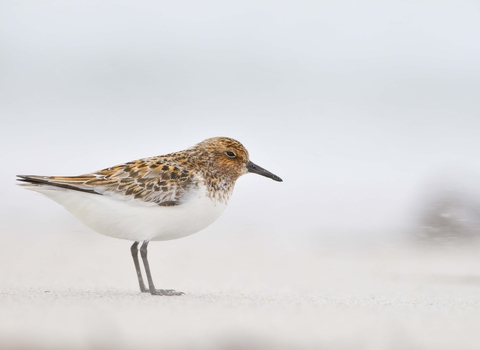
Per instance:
{"type": "Point", "coordinates": [153, 199]}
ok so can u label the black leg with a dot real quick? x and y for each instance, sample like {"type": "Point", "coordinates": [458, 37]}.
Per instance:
{"type": "Point", "coordinates": [151, 286]}
{"type": "Point", "coordinates": [134, 251]}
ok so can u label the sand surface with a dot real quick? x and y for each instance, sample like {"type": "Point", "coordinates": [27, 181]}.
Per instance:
{"type": "Point", "coordinates": [78, 290]}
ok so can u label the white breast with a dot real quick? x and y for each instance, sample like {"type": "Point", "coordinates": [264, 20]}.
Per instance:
{"type": "Point", "coordinates": [135, 220]}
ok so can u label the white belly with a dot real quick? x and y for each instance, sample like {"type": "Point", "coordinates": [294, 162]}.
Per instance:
{"type": "Point", "coordinates": [136, 221]}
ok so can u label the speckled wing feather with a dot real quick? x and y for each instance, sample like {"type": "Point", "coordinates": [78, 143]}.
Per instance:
{"type": "Point", "coordinates": [160, 180]}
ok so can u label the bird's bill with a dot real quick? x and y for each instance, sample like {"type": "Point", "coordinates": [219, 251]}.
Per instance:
{"type": "Point", "coordinates": [255, 169]}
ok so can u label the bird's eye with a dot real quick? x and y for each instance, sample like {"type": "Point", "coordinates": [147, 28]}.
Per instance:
{"type": "Point", "coordinates": [230, 154]}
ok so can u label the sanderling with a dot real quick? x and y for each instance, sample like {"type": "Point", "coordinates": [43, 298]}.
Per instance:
{"type": "Point", "coordinates": [153, 199]}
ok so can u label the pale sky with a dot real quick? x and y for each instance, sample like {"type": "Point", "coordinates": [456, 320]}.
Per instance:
{"type": "Point", "coordinates": [356, 105]}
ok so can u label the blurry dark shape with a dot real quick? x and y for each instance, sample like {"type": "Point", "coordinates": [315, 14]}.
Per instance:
{"type": "Point", "coordinates": [450, 216]}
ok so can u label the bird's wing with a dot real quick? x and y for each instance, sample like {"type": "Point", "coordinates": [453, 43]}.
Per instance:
{"type": "Point", "coordinates": [156, 180]}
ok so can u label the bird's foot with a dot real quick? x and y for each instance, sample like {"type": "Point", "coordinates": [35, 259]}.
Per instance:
{"type": "Point", "coordinates": [165, 292]}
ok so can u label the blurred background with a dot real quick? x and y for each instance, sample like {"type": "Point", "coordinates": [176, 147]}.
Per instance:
{"type": "Point", "coordinates": [369, 111]}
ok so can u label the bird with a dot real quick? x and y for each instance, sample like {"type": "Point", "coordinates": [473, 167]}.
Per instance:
{"type": "Point", "coordinates": [157, 198]}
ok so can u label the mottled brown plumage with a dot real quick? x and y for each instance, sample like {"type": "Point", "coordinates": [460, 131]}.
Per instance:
{"type": "Point", "coordinates": [166, 180]}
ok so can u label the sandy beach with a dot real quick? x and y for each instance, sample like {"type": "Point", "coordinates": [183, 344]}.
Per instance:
{"type": "Point", "coordinates": [77, 290]}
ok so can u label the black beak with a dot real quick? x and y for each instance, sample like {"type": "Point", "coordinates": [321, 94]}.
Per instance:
{"type": "Point", "coordinates": [253, 168]}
